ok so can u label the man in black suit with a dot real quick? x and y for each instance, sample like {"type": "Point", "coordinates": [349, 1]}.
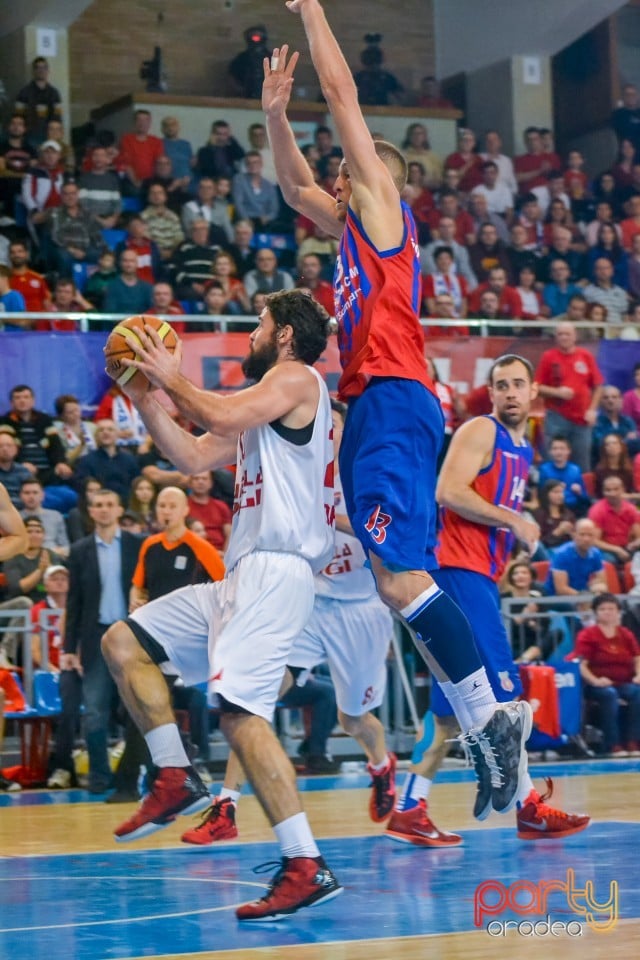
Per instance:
{"type": "Point", "coordinates": [101, 568]}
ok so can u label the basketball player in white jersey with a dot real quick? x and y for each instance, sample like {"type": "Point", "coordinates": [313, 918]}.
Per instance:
{"type": "Point", "coordinates": [350, 628]}
{"type": "Point", "coordinates": [238, 632]}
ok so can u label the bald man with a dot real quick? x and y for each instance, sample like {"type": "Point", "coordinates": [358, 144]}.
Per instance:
{"type": "Point", "coordinates": [571, 384]}
{"type": "Point", "coordinates": [175, 557]}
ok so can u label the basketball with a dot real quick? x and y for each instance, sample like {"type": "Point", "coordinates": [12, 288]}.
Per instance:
{"type": "Point", "coordinates": [118, 346]}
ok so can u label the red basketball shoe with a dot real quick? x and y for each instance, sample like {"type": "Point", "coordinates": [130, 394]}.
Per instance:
{"type": "Point", "coordinates": [218, 823]}
{"type": "Point", "coordinates": [538, 821]}
{"type": "Point", "coordinates": [300, 882]}
{"type": "Point", "coordinates": [383, 790]}
{"type": "Point", "coordinates": [416, 827]}
{"type": "Point", "coordinates": [176, 790]}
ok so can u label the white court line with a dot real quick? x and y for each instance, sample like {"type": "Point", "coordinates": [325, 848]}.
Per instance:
{"type": "Point", "coordinates": [152, 916]}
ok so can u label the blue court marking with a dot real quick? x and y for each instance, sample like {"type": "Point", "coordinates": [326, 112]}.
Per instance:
{"type": "Point", "coordinates": [149, 903]}
{"type": "Point", "coordinates": [347, 781]}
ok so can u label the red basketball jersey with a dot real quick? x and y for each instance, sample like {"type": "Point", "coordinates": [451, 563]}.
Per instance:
{"type": "Point", "coordinates": [475, 546]}
{"type": "Point", "coordinates": [377, 301]}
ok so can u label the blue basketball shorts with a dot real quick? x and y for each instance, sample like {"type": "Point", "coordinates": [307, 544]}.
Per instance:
{"type": "Point", "coordinates": [388, 458]}
{"type": "Point", "coordinates": [479, 599]}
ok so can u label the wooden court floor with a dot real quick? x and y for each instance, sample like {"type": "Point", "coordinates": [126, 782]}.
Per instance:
{"type": "Point", "coordinates": [67, 890]}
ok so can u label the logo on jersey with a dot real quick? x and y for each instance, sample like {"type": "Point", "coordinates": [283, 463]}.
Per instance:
{"type": "Point", "coordinates": [505, 681]}
{"type": "Point", "coordinates": [368, 696]}
{"type": "Point", "coordinates": [376, 525]}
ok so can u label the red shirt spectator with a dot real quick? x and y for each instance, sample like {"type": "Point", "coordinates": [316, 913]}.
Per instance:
{"type": "Point", "coordinates": [33, 288]}
{"type": "Point", "coordinates": [139, 150]}
{"type": "Point", "coordinates": [616, 524]}
{"type": "Point", "coordinates": [478, 402]}
{"type": "Point", "coordinates": [30, 284]}
{"type": "Point", "coordinates": [631, 226]}
{"type": "Point", "coordinates": [509, 303]}
{"type": "Point", "coordinates": [214, 514]}
{"type": "Point", "coordinates": [465, 227]}
{"type": "Point", "coordinates": [54, 640]}
{"type": "Point", "coordinates": [568, 365]}
{"type": "Point", "coordinates": [612, 657]}
{"type": "Point", "coordinates": [470, 168]}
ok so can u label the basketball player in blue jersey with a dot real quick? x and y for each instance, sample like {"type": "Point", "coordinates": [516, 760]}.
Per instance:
{"type": "Point", "coordinates": [481, 483]}
{"type": "Point", "coordinates": [394, 426]}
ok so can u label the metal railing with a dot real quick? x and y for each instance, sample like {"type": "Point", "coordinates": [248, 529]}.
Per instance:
{"type": "Point", "coordinates": [570, 613]}
{"type": "Point", "coordinates": [484, 327]}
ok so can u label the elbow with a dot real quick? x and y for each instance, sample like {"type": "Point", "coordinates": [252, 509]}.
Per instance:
{"type": "Point", "coordinates": [339, 89]}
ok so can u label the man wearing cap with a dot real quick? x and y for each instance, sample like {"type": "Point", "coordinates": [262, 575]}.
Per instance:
{"type": "Point", "coordinates": [42, 187]}
{"type": "Point", "coordinates": [56, 585]}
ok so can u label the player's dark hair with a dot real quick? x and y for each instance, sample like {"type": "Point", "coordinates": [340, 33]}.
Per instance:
{"type": "Point", "coordinates": [308, 320]}
{"type": "Point", "coordinates": [505, 360]}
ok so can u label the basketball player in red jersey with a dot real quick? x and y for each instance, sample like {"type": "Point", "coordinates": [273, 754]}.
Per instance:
{"type": "Point", "coordinates": [394, 425]}
{"type": "Point", "coordinates": [482, 481]}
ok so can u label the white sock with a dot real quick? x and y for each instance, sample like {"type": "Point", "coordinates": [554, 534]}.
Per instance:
{"type": "Point", "coordinates": [415, 788]}
{"type": "Point", "coordinates": [379, 767]}
{"type": "Point", "coordinates": [166, 746]}
{"type": "Point", "coordinates": [525, 789]}
{"type": "Point", "coordinates": [226, 793]}
{"type": "Point", "coordinates": [295, 837]}
{"type": "Point", "coordinates": [478, 698]}
{"type": "Point", "coordinates": [462, 715]}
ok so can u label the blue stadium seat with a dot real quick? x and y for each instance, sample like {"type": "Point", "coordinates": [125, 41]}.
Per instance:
{"type": "Point", "coordinates": [113, 237]}
{"type": "Point", "coordinates": [131, 205]}
{"type": "Point", "coordinates": [46, 692]}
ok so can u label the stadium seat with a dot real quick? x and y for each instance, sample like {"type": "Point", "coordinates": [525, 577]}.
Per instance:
{"type": "Point", "coordinates": [628, 582]}
{"type": "Point", "coordinates": [131, 205]}
{"type": "Point", "coordinates": [541, 570]}
{"type": "Point", "coordinates": [590, 483]}
{"type": "Point", "coordinates": [612, 577]}
{"type": "Point", "coordinates": [113, 237]}
{"type": "Point", "coordinates": [46, 693]}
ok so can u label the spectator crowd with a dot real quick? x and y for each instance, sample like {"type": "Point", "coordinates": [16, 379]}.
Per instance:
{"type": "Point", "coordinates": [153, 223]}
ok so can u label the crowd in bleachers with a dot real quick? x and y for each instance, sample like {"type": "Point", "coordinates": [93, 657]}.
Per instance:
{"type": "Point", "coordinates": [532, 236]}
{"type": "Point", "coordinates": [151, 224]}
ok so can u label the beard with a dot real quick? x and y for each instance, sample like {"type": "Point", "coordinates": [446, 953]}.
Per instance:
{"type": "Point", "coordinates": [258, 362]}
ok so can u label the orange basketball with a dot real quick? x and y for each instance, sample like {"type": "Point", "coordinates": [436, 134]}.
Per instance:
{"type": "Point", "coordinates": [118, 346]}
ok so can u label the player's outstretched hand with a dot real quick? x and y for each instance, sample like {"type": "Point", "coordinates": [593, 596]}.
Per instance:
{"type": "Point", "coordinates": [295, 5]}
{"type": "Point", "coordinates": [278, 80]}
{"type": "Point", "coordinates": [159, 365]}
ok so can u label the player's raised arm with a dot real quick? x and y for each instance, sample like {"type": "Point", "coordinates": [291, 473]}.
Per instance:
{"type": "Point", "coordinates": [375, 195]}
{"type": "Point", "coordinates": [294, 175]}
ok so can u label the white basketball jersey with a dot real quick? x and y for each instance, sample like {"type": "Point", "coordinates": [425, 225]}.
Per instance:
{"type": "Point", "coordinates": [283, 497]}
{"type": "Point", "coordinates": [345, 577]}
